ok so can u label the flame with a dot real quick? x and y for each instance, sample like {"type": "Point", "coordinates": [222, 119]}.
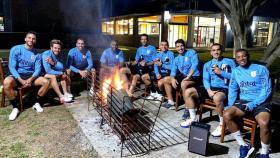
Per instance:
{"type": "Point", "coordinates": [114, 81]}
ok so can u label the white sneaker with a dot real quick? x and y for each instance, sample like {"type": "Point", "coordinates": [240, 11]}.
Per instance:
{"type": "Point", "coordinates": [187, 123]}
{"type": "Point", "coordinates": [151, 96]}
{"type": "Point", "coordinates": [37, 107]}
{"type": "Point", "coordinates": [69, 95]}
{"type": "Point", "coordinates": [217, 132]}
{"type": "Point", "coordinates": [159, 96]}
{"type": "Point", "coordinates": [13, 114]}
{"type": "Point", "coordinates": [65, 99]}
{"type": "Point", "coordinates": [154, 94]}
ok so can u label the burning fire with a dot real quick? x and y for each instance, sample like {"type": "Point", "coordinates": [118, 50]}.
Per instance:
{"type": "Point", "coordinates": [112, 81]}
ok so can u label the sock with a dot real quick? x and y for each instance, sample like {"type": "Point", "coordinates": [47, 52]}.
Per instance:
{"type": "Point", "coordinates": [238, 138]}
{"type": "Point", "coordinates": [221, 120]}
{"type": "Point", "coordinates": [265, 148]}
{"type": "Point", "coordinates": [192, 114]}
{"type": "Point", "coordinates": [40, 100]}
{"type": "Point", "coordinates": [171, 102]}
{"type": "Point", "coordinates": [14, 103]}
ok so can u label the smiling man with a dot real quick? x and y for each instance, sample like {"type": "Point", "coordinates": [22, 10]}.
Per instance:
{"type": "Point", "coordinates": [79, 62]}
{"type": "Point", "coordinates": [184, 71]}
{"type": "Point", "coordinates": [251, 82]}
{"type": "Point", "coordinates": [25, 69]}
{"type": "Point", "coordinates": [54, 70]}
{"type": "Point", "coordinates": [216, 75]}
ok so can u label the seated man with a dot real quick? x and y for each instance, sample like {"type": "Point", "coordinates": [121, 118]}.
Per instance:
{"type": "Point", "coordinates": [54, 70]}
{"type": "Point", "coordinates": [79, 62]}
{"type": "Point", "coordinates": [184, 71]}
{"type": "Point", "coordinates": [162, 68]}
{"type": "Point", "coordinates": [25, 68]}
{"type": "Point", "coordinates": [111, 58]}
{"type": "Point", "coordinates": [216, 75]}
{"type": "Point", "coordinates": [144, 59]}
{"type": "Point", "coordinates": [253, 84]}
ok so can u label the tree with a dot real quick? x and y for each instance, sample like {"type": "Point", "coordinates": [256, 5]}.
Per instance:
{"type": "Point", "coordinates": [240, 15]}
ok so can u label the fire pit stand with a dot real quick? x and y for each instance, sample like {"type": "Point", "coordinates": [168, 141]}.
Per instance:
{"type": "Point", "coordinates": [133, 121]}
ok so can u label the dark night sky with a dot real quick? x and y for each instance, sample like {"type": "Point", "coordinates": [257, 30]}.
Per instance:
{"type": "Point", "coordinates": [122, 7]}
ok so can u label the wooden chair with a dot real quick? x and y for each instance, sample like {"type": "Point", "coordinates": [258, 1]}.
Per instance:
{"type": "Point", "coordinates": [20, 91]}
{"type": "Point", "coordinates": [249, 123]}
{"type": "Point", "coordinates": [206, 104]}
{"type": "Point", "coordinates": [3, 71]}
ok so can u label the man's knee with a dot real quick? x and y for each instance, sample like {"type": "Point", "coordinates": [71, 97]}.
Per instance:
{"type": "Point", "coordinates": [190, 92]}
{"type": "Point", "coordinates": [263, 121]}
{"type": "Point", "coordinates": [45, 82]}
{"type": "Point", "coordinates": [219, 99]}
{"type": "Point", "coordinates": [8, 82]}
{"type": "Point", "coordinates": [160, 82]}
{"type": "Point", "coordinates": [228, 114]}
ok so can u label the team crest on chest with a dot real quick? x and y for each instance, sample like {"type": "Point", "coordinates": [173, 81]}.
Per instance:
{"type": "Point", "coordinates": [117, 56]}
{"type": "Point", "coordinates": [33, 57]}
{"type": "Point", "coordinates": [148, 51]}
{"type": "Point", "coordinates": [84, 56]}
{"type": "Point", "coordinates": [186, 58]}
{"type": "Point", "coordinates": [253, 73]}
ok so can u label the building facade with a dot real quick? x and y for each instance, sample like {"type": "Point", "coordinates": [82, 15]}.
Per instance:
{"type": "Point", "coordinates": [198, 29]}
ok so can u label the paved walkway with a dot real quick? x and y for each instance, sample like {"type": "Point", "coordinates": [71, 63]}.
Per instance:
{"type": "Point", "coordinates": [107, 144]}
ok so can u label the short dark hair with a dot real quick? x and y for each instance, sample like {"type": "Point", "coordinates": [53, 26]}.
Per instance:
{"type": "Point", "coordinates": [55, 41]}
{"type": "Point", "coordinates": [81, 39]}
{"type": "Point", "coordinates": [245, 51]}
{"type": "Point", "coordinates": [145, 36]}
{"type": "Point", "coordinates": [180, 41]}
{"type": "Point", "coordinates": [222, 48]}
{"type": "Point", "coordinates": [31, 32]}
{"type": "Point", "coordinates": [165, 41]}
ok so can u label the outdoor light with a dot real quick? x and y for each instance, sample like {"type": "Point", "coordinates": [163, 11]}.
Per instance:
{"type": "Point", "coordinates": [253, 26]}
{"type": "Point", "coordinates": [167, 16]}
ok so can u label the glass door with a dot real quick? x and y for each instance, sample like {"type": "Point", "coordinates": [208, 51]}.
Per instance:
{"type": "Point", "coordinates": [176, 32]}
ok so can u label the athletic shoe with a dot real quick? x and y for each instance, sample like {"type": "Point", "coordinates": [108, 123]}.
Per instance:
{"type": "Point", "coordinates": [159, 96]}
{"type": "Point", "coordinates": [65, 99]}
{"type": "Point", "coordinates": [187, 123]}
{"type": "Point", "coordinates": [152, 96]}
{"type": "Point", "coordinates": [217, 132]}
{"type": "Point", "coordinates": [69, 95]}
{"type": "Point", "coordinates": [13, 114]}
{"type": "Point", "coordinates": [37, 107]}
{"type": "Point", "coordinates": [263, 156]}
{"type": "Point", "coordinates": [167, 105]}
{"type": "Point", "coordinates": [246, 151]}
{"type": "Point", "coordinates": [186, 114]}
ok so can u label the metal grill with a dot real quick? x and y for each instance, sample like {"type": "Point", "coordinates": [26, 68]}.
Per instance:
{"type": "Point", "coordinates": [134, 121]}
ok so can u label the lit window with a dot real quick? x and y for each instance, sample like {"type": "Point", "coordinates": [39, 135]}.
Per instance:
{"type": "Point", "coordinates": [206, 31]}
{"type": "Point", "coordinates": [108, 27]}
{"type": "Point", "coordinates": [262, 33]}
{"type": "Point", "coordinates": [179, 19]}
{"type": "Point", "coordinates": [122, 27]}
{"type": "Point", "coordinates": [149, 25]}
{"type": "Point", "coordinates": [1, 24]}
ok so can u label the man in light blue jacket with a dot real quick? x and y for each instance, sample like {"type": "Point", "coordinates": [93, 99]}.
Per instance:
{"type": "Point", "coordinates": [252, 83]}
{"type": "Point", "coordinates": [25, 69]}
{"type": "Point", "coordinates": [54, 70]}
